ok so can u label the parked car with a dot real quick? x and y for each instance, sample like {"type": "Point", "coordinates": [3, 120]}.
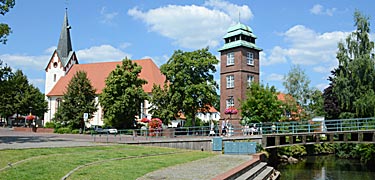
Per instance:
{"type": "Point", "coordinates": [110, 130]}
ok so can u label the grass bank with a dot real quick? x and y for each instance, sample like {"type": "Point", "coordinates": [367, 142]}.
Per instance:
{"type": "Point", "coordinates": [98, 162]}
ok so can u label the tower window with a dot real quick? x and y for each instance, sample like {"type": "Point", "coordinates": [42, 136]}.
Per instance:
{"type": "Point", "coordinates": [54, 78]}
{"type": "Point", "coordinates": [230, 59]}
{"type": "Point", "coordinates": [250, 58]}
{"type": "Point", "coordinates": [55, 64]}
{"type": "Point", "coordinates": [230, 102]}
{"type": "Point", "coordinates": [250, 79]}
{"type": "Point", "coordinates": [230, 81]}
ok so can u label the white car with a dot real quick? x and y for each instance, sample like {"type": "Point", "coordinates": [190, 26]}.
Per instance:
{"type": "Point", "coordinates": [110, 130]}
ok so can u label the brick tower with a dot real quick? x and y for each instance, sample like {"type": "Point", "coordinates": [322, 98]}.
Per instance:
{"type": "Point", "coordinates": [239, 68]}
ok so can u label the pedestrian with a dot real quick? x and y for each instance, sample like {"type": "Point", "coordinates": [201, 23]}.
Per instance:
{"type": "Point", "coordinates": [223, 128]}
{"type": "Point", "coordinates": [273, 128]}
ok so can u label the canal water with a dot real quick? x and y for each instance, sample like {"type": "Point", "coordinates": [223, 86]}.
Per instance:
{"type": "Point", "coordinates": [327, 168]}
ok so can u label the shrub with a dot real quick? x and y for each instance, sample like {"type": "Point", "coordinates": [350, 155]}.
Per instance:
{"type": "Point", "coordinates": [50, 125]}
{"type": "Point", "coordinates": [75, 131]}
{"type": "Point", "coordinates": [63, 130]}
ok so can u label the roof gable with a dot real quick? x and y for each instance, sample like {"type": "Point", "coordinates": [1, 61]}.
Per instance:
{"type": "Point", "coordinates": [97, 73]}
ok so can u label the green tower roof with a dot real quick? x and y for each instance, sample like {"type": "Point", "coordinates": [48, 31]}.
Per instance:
{"type": "Point", "coordinates": [239, 29]}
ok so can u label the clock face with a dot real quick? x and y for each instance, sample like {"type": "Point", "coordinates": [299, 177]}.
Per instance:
{"type": "Point", "coordinates": [55, 64]}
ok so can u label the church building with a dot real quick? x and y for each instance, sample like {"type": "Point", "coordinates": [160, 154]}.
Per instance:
{"type": "Point", "coordinates": [63, 65]}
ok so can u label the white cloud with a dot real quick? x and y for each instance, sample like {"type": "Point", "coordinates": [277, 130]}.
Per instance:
{"type": "Point", "coordinates": [102, 53]}
{"type": "Point", "coordinates": [304, 46]}
{"type": "Point", "coordinates": [38, 82]}
{"type": "Point", "coordinates": [318, 9]}
{"type": "Point", "coordinates": [107, 17]}
{"type": "Point", "coordinates": [275, 77]}
{"type": "Point", "coordinates": [322, 86]}
{"type": "Point", "coordinates": [24, 62]}
{"type": "Point", "coordinates": [233, 10]}
{"type": "Point", "coordinates": [125, 45]}
{"type": "Point", "coordinates": [192, 26]}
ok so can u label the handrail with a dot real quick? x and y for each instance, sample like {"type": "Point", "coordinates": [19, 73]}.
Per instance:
{"type": "Point", "coordinates": [335, 125]}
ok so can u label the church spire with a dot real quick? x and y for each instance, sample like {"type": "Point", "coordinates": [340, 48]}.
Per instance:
{"type": "Point", "coordinates": [65, 45]}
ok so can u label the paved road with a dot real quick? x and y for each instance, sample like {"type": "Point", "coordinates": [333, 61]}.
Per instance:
{"type": "Point", "coordinates": [10, 139]}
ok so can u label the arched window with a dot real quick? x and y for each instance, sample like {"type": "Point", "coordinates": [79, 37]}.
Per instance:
{"type": "Point", "coordinates": [58, 103]}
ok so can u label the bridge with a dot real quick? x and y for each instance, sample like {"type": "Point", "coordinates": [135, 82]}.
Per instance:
{"type": "Point", "coordinates": [359, 130]}
{"type": "Point", "coordinates": [269, 135]}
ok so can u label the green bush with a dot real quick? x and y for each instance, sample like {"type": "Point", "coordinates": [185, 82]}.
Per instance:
{"type": "Point", "coordinates": [75, 131]}
{"type": "Point", "coordinates": [63, 130]}
{"type": "Point", "coordinates": [50, 125]}
{"type": "Point", "coordinates": [294, 151]}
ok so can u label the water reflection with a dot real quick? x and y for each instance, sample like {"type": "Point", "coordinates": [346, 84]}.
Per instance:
{"type": "Point", "coordinates": [327, 168]}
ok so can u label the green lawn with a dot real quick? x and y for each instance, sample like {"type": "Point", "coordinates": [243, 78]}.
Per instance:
{"type": "Point", "coordinates": [98, 162]}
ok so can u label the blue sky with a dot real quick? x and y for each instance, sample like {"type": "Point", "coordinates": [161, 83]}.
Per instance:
{"type": "Point", "coordinates": [290, 32]}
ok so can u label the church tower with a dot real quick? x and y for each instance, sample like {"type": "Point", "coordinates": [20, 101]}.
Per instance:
{"type": "Point", "coordinates": [62, 58]}
{"type": "Point", "coordinates": [239, 68]}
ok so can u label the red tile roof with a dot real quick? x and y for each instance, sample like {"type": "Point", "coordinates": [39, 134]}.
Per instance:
{"type": "Point", "coordinates": [98, 72]}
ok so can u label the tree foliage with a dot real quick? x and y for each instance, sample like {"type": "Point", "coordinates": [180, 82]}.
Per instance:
{"type": "Point", "coordinates": [161, 106]}
{"type": "Point", "coordinates": [261, 104]}
{"type": "Point", "coordinates": [297, 85]}
{"type": "Point", "coordinates": [78, 99]}
{"type": "Point", "coordinates": [316, 103]}
{"type": "Point", "coordinates": [123, 94]}
{"type": "Point", "coordinates": [18, 96]}
{"type": "Point", "coordinates": [191, 82]}
{"type": "Point", "coordinates": [5, 30]}
{"type": "Point", "coordinates": [353, 80]}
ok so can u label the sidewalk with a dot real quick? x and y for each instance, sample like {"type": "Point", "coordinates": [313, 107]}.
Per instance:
{"type": "Point", "coordinates": [202, 169]}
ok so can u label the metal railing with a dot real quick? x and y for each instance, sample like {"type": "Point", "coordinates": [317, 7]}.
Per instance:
{"type": "Point", "coordinates": [337, 125]}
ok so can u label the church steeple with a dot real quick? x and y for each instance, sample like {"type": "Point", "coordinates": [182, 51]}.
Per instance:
{"type": "Point", "coordinates": [65, 44]}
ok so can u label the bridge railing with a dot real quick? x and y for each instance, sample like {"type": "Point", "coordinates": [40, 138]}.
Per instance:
{"type": "Point", "coordinates": [338, 125]}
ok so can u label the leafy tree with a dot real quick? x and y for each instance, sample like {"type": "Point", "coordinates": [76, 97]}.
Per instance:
{"type": "Point", "coordinates": [161, 106]}
{"type": "Point", "coordinates": [36, 101]}
{"type": "Point", "coordinates": [5, 6]}
{"type": "Point", "coordinates": [123, 94]}
{"type": "Point", "coordinates": [78, 99]}
{"type": "Point", "coordinates": [5, 89]}
{"type": "Point", "coordinates": [297, 84]}
{"type": "Point", "coordinates": [261, 104]}
{"type": "Point", "coordinates": [354, 79]}
{"type": "Point", "coordinates": [191, 82]}
{"type": "Point", "coordinates": [19, 96]}
{"type": "Point", "coordinates": [316, 104]}
{"type": "Point", "coordinates": [331, 105]}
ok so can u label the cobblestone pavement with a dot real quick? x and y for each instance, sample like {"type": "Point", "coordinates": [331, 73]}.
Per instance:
{"type": "Point", "coordinates": [207, 168]}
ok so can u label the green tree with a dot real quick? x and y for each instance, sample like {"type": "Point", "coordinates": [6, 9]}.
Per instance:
{"type": "Point", "coordinates": [353, 80]}
{"type": "Point", "coordinates": [36, 101]}
{"type": "Point", "coordinates": [191, 82]}
{"type": "Point", "coordinates": [19, 96]}
{"type": "Point", "coordinates": [261, 104]}
{"type": "Point", "coordinates": [297, 84]}
{"type": "Point", "coordinates": [161, 106]}
{"type": "Point", "coordinates": [316, 103]}
{"type": "Point", "coordinates": [5, 89]}
{"type": "Point", "coordinates": [78, 99]}
{"type": "Point", "coordinates": [123, 94]}
{"type": "Point", "coordinates": [5, 30]}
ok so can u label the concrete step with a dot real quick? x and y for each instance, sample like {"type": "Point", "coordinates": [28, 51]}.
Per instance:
{"type": "Point", "coordinates": [253, 172]}
{"type": "Point", "coordinates": [265, 174]}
